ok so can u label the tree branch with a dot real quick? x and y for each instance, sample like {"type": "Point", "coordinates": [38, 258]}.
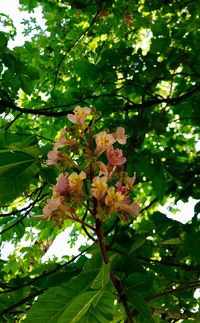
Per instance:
{"type": "Point", "coordinates": [129, 106]}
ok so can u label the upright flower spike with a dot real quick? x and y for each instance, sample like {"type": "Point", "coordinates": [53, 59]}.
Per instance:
{"type": "Point", "coordinates": [69, 190]}
{"type": "Point", "coordinates": [76, 182]}
{"type": "Point", "coordinates": [79, 116]}
{"type": "Point", "coordinates": [115, 157]}
{"type": "Point", "coordinates": [103, 141]}
{"type": "Point", "coordinates": [99, 187]}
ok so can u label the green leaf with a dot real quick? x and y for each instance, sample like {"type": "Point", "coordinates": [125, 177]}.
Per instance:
{"type": "Point", "coordinates": [160, 45]}
{"type": "Point", "coordinates": [73, 301]}
{"type": "Point", "coordinates": [159, 181]}
{"type": "Point", "coordinates": [79, 306]}
{"type": "Point", "coordinates": [137, 244]}
{"type": "Point", "coordinates": [136, 279]}
{"type": "Point", "coordinates": [52, 304]}
{"type": "Point", "coordinates": [173, 241]}
{"type": "Point", "coordinates": [102, 278]}
{"type": "Point", "coordinates": [3, 41]}
{"type": "Point", "coordinates": [102, 309]}
{"type": "Point", "coordinates": [19, 163]}
{"type": "Point", "coordinates": [140, 305]}
{"type": "Point", "coordinates": [197, 208]}
{"type": "Point", "coordinates": [16, 174]}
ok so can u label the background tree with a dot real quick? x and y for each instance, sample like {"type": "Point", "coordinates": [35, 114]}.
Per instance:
{"type": "Point", "coordinates": [137, 63]}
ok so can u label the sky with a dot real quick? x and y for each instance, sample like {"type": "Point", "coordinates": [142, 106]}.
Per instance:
{"type": "Point", "coordinates": [60, 245]}
{"type": "Point", "coordinates": [10, 8]}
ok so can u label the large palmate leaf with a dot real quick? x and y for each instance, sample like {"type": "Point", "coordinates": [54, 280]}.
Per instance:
{"type": "Point", "coordinates": [75, 301]}
{"type": "Point", "coordinates": [18, 164]}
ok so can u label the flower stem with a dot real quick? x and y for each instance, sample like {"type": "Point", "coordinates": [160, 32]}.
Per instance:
{"type": "Point", "coordinates": [115, 280]}
{"type": "Point", "coordinates": [76, 219]}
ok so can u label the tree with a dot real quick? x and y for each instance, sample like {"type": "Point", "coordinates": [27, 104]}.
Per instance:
{"type": "Point", "coordinates": [137, 64]}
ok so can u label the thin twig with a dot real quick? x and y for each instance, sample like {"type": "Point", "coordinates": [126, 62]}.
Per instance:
{"type": "Point", "coordinates": [76, 219]}
{"type": "Point", "coordinates": [10, 124]}
{"type": "Point", "coordinates": [21, 302]}
{"type": "Point", "coordinates": [23, 217]}
{"type": "Point", "coordinates": [179, 289]}
{"type": "Point", "coordinates": [46, 274]}
{"type": "Point", "coordinates": [71, 47]}
{"type": "Point", "coordinates": [87, 233]}
{"type": "Point", "coordinates": [168, 263]}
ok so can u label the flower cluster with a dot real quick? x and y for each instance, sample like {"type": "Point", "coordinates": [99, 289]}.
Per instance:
{"type": "Point", "coordinates": [103, 188]}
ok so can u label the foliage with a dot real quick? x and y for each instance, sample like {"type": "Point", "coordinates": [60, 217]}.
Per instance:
{"type": "Point", "coordinates": [137, 63]}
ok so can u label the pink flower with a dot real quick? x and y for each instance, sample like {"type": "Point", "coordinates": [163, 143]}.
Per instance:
{"type": "Point", "coordinates": [123, 191]}
{"type": "Point", "coordinates": [103, 141]}
{"type": "Point", "coordinates": [102, 169]}
{"type": "Point", "coordinates": [62, 185]}
{"type": "Point", "coordinates": [132, 209]}
{"type": "Point", "coordinates": [79, 116]}
{"type": "Point", "coordinates": [115, 157]}
{"type": "Point", "coordinates": [129, 181]}
{"type": "Point", "coordinates": [55, 156]}
{"type": "Point", "coordinates": [63, 141]}
{"type": "Point", "coordinates": [120, 136]}
{"type": "Point", "coordinates": [120, 188]}
{"type": "Point", "coordinates": [99, 187]}
{"type": "Point", "coordinates": [52, 157]}
{"type": "Point", "coordinates": [67, 142]}
{"type": "Point", "coordinates": [113, 199]}
{"type": "Point", "coordinates": [76, 182]}
{"type": "Point", "coordinates": [51, 206]}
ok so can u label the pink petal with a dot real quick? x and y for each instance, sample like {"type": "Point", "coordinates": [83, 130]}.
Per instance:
{"type": "Point", "coordinates": [132, 209]}
{"type": "Point", "coordinates": [47, 211]}
{"type": "Point", "coordinates": [120, 136]}
{"type": "Point", "coordinates": [62, 185]}
{"type": "Point", "coordinates": [72, 118]}
{"type": "Point", "coordinates": [52, 157]}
